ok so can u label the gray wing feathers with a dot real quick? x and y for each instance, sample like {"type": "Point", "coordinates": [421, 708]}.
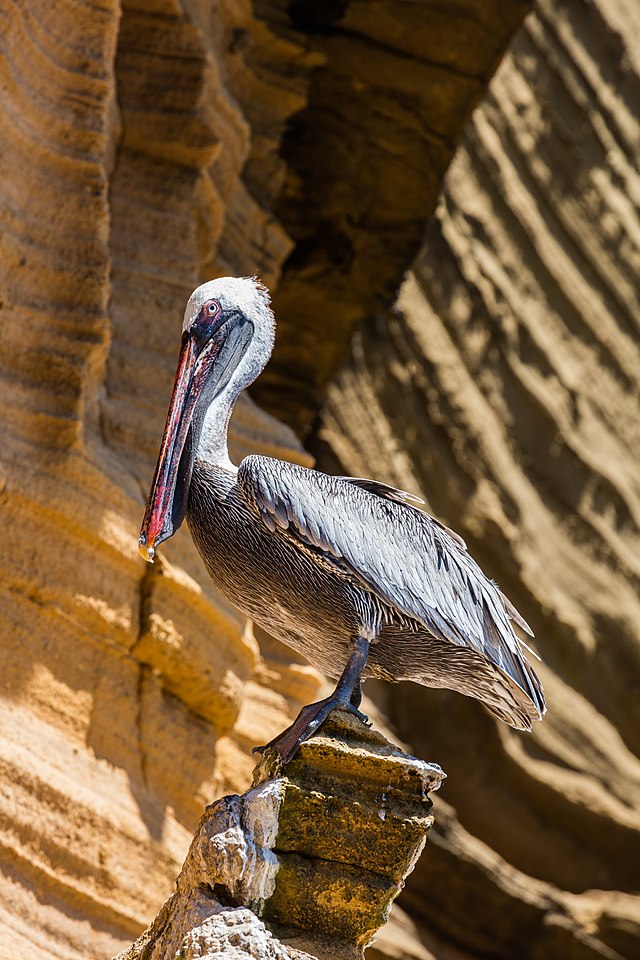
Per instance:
{"type": "Point", "coordinates": [403, 555]}
{"type": "Point", "coordinates": [400, 496]}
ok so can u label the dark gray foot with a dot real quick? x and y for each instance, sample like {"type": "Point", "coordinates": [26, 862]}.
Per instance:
{"type": "Point", "coordinates": [308, 722]}
{"type": "Point", "coordinates": [346, 696]}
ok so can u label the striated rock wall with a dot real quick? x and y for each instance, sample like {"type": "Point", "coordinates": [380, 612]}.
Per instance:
{"type": "Point", "coordinates": [128, 693]}
{"type": "Point", "coordinates": [142, 149]}
{"type": "Point", "coordinates": [365, 161]}
{"type": "Point", "coordinates": [504, 386]}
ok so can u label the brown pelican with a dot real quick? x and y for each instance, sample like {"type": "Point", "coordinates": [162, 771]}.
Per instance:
{"type": "Point", "coordinates": [348, 572]}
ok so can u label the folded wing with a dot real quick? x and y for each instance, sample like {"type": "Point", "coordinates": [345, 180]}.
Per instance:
{"type": "Point", "coordinates": [406, 557]}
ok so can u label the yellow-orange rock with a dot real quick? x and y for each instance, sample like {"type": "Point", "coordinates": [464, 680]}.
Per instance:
{"type": "Point", "coordinates": [318, 850]}
{"type": "Point", "coordinates": [150, 145]}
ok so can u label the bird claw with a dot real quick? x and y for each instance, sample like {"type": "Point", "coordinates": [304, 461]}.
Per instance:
{"type": "Point", "coordinates": [362, 717]}
{"type": "Point", "coordinates": [279, 751]}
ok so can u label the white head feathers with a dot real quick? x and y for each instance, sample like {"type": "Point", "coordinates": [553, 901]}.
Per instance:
{"type": "Point", "coordinates": [247, 294]}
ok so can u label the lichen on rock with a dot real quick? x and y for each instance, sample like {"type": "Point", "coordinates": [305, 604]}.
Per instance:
{"type": "Point", "coordinates": [318, 853]}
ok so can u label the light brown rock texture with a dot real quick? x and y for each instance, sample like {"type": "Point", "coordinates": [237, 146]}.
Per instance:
{"type": "Point", "coordinates": [504, 386]}
{"type": "Point", "coordinates": [148, 145]}
{"type": "Point", "coordinates": [307, 862]}
{"type": "Point", "coordinates": [142, 150]}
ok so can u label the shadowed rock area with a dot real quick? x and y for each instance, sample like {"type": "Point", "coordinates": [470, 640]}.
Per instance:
{"type": "Point", "coordinates": [148, 145]}
{"type": "Point", "coordinates": [365, 161]}
{"type": "Point", "coordinates": [504, 387]}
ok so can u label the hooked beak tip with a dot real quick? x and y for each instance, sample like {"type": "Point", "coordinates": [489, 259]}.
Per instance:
{"type": "Point", "coordinates": [147, 551]}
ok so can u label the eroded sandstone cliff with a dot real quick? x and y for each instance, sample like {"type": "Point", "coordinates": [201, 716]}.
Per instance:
{"type": "Point", "coordinates": [504, 386]}
{"type": "Point", "coordinates": [143, 149]}
{"type": "Point", "coordinates": [151, 144]}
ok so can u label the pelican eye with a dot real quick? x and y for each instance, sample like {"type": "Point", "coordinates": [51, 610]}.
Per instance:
{"type": "Point", "coordinates": [209, 319]}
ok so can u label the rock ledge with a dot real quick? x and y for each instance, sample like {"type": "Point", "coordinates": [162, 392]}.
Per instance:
{"type": "Point", "coordinates": [308, 861]}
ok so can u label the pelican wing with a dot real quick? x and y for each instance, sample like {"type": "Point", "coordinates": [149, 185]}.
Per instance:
{"type": "Point", "coordinates": [397, 551]}
{"type": "Point", "coordinates": [408, 500]}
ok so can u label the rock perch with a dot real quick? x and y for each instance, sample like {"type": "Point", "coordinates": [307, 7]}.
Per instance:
{"type": "Point", "coordinates": [307, 862]}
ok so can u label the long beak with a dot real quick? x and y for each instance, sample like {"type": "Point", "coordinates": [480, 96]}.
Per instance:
{"type": "Point", "coordinates": [160, 519]}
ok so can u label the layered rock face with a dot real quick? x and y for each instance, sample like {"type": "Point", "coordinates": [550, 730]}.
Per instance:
{"type": "Point", "coordinates": [143, 149]}
{"type": "Point", "coordinates": [504, 386]}
{"type": "Point", "coordinates": [365, 165]}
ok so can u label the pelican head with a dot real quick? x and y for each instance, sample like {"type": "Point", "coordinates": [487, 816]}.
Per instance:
{"type": "Point", "coordinates": [227, 338]}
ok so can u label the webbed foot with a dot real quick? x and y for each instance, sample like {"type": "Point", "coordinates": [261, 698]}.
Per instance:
{"type": "Point", "coordinates": [346, 696]}
{"type": "Point", "coordinates": [308, 722]}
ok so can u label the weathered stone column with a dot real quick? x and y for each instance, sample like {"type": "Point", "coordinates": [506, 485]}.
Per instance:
{"type": "Point", "coordinates": [305, 864]}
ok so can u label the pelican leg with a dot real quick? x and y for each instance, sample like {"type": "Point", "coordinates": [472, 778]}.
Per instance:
{"type": "Point", "coordinates": [346, 696]}
{"type": "Point", "coordinates": [356, 696]}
